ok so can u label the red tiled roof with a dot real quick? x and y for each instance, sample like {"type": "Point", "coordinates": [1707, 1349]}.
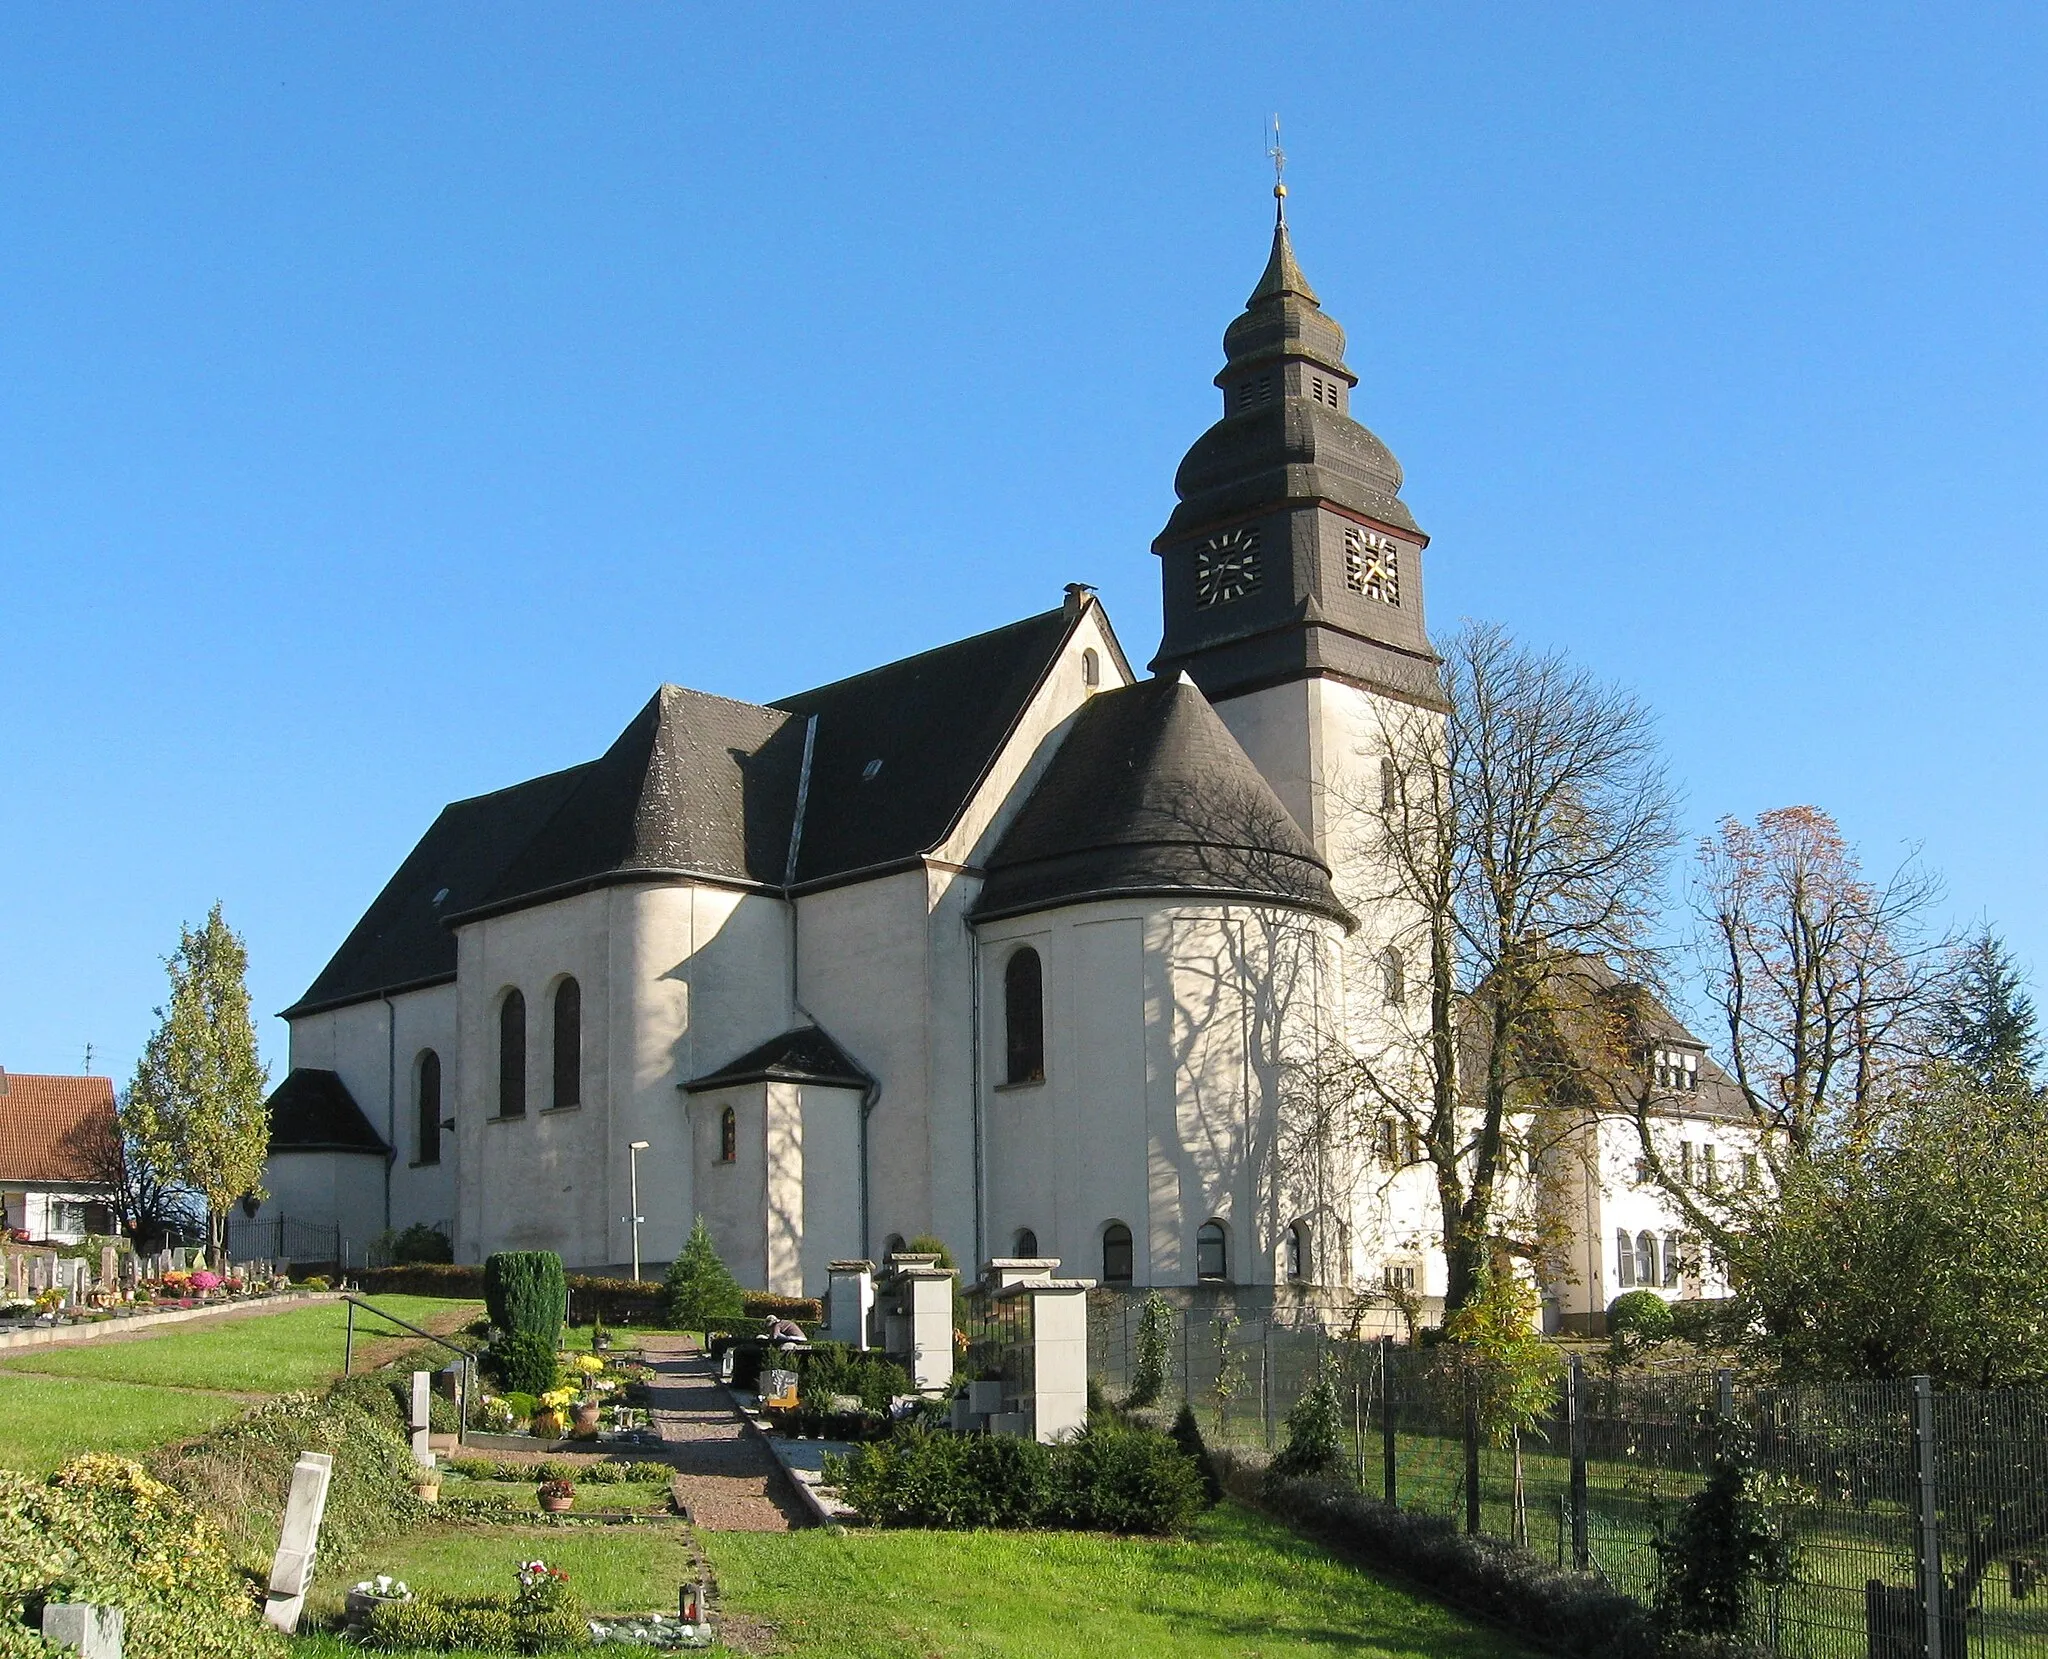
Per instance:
{"type": "Point", "coordinates": [48, 1125]}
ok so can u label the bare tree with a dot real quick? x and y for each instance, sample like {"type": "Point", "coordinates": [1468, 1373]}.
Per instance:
{"type": "Point", "coordinates": [149, 1208]}
{"type": "Point", "coordinates": [1510, 840]}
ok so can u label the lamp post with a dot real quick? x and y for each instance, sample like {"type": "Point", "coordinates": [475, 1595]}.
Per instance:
{"type": "Point", "coordinates": [633, 1152]}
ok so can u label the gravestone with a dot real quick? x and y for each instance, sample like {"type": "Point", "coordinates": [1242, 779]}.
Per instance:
{"type": "Point", "coordinates": [110, 1261]}
{"type": "Point", "coordinates": [851, 1301]}
{"type": "Point", "coordinates": [131, 1271]}
{"type": "Point", "coordinates": [17, 1276]}
{"type": "Point", "coordinates": [291, 1569]}
{"type": "Point", "coordinates": [422, 1417]}
{"type": "Point", "coordinates": [38, 1275]}
{"type": "Point", "coordinates": [91, 1632]}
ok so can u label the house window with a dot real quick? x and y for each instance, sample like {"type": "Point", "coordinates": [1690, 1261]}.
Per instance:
{"type": "Point", "coordinates": [67, 1215]}
{"type": "Point", "coordinates": [427, 1105]}
{"type": "Point", "coordinates": [1414, 1147]}
{"type": "Point", "coordinates": [1749, 1170]}
{"type": "Point", "coordinates": [1212, 1251]}
{"type": "Point", "coordinates": [1390, 783]}
{"type": "Point", "coordinates": [1401, 1278]}
{"type": "Point", "coordinates": [1297, 1251]}
{"type": "Point", "coordinates": [1393, 977]}
{"type": "Point", "coordinates": [1091, 669]}
{"type": "Point", "coordinates": [1710, 1176]}
{"type": "Point", "coordinates": [892, 1246]}
{"type": "Point", "coordinates": [1685, 1162]}
{"type": "Point", "coordinates": [512, 1056]}
{"type": "Point", "coordinates": [1390, 1142]}
{"type": "Point", "coordinates": [1624, 1259]}
{"type": "Point", "coordinates": [1674, 1257]}
{"type": "Point", "coordinates": [1646, 1258]}
{"type": "Point", "coordinates": [728, 1136]}
{"type": "Point", "coordinates": [1024, 1017]}
{"type": "Point", "coordinates": [1674, 1069]}
{"type": "Point", "coordinates": [568, 1045]}
{"type": "Point", "coordinates": [1116, 1254]}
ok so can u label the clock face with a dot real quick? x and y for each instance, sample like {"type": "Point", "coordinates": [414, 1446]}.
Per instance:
{"type": "Point", "coordinates": [1372, 565]}
{"type": "Point", "coordinates": [1227, 567]}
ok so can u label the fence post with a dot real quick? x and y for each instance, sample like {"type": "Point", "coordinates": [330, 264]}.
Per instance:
{"type": "Point", "coordinates": [1927, 1535]}
{"type": "Point", "coordinates": [1575, 1428]}
{"type": "Point", "coordinates": [1387, 1420]}
{"type": "Point", "coordinates": [1724, 1394]}
{"type": "Point", "coordinates": [1471, 1452]}
{"type": "Point", "coordinates": [1266, 1401]}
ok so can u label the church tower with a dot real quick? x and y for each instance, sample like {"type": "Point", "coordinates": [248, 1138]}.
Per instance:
{"type": "Point", "coordinates": [1292, 569]}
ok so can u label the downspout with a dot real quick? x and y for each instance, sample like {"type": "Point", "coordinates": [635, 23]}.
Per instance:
{"type": "Point", "coordinates": [390, 1100]}
{"type": "Point", "coordinates": [974, 1084]}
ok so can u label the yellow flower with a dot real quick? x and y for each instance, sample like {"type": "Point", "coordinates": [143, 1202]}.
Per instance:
{"type": "Point", "coordinates": [589, 1364]}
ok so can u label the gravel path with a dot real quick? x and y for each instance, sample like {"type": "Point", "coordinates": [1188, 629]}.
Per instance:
{"type": "Point", "coordinates": [725, 1477]}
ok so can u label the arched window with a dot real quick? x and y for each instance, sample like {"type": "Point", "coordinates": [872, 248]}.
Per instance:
{"type": "Point", "coordinates": [1116, 1254]}
{"type": "Point", "coordinates": [892, 1246]}
{"type": "Point", "coordinates": [1024, 1017]}
{"type": "Point", "coordinates": [1025, 1244]}
{"type": "Point", "coordinates": [426, 1092]}
{"type": "Point", "coordinates": [1646, 1258]}
{"type": "Point", "coordinates": [1297, 1251]}
{"type": "Point", "coordinates": [568, 1045]}
{"type": "Point", "coordinates": [1674, 1257]}
{"type": "Point", "coordinates": [1091, 669]}
{"type": "Point", "coordinates": [1624, 1258]}
{"type": "Point", "coordinates": [1212, 1251]}
{"type": "Point", "coordinates": [512, 1056]}
{"type": "Point", "coordinates": [1393, 977]}
{"type": "Point", "coordinates": [1390, 783]}
{"type": "Point", "coordinates": [728, 1136]}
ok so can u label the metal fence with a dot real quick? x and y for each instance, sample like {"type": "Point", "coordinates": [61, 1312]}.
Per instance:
{"type": "Point", "coordinates": [279, 1238]}
{"type": "Point", "coordinates": [1917, 1518]}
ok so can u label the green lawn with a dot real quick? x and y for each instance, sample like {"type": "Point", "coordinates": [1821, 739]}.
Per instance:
{"type": "Point", "coordinates": [44, 1420]}
{"type": "Point", "coordinates": [1241, 1588]}
{"type": "Point", "coordinates": [137, 1392]}
{"type": "Point", "coordinates": [273, 1353]}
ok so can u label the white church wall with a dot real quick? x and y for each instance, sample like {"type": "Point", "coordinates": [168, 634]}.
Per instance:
{"type": "Point", "coordinates": [704, 977]}
{"type": "Point", "coordinates": [831, 1185]}
{"type": "Point", "coordinates": [329, 1189]}
{"type": "Point", "coordinates": [949, 1061]}
{"type": "Point", "coordinates": [732, 1194]}
{"type": "Point", "coordinates": [422, 1192]}
{"type": "Point", "coordinates": [864, 976]}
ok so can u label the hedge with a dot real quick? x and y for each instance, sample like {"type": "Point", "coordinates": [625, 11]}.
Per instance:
{"type": "Point", "coordinates": [526, 1290]}
{"type": "Point", "coordinates": [615, 1301]}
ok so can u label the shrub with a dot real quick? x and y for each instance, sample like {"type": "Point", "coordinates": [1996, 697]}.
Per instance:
{"type": "Point", "coordinates": [520, 1402]}
{"type": "Point", "coordinates": [1186, 1433]}
{"type": "Point", "coordinates": [700, 1290]}
{"type": "Point", "coordinates": [525, 1363]}
{"type": "Point", "coordinates": [1564, 1611]}
{"type": "Point", "coordinates": [240, 1474]}
{"type": "Point", "coordinates": [102, 1530]}
{"type": "Point", "coordinates": [1315, 1437]}
{"type": "Point", "coordinates": [762, 1304]}
{"type": "Point", "coordinates": [316, 1282]}
{"type": "Point", "coordinates": [1708, 1321]}
{"type": "Point", "coordinates": [1721, 1547]}
{"type": "Point", "coordinates": [421, 1243]}
{"type": "Point", "coordinates": [1127, 1480]}
{"type": "Point", "coordinates": [526, 1291]}
{"type": "Point", "coordinates": [1637, 1320]}
{"type": "Point", "coordinates": [1120, 1480]}
{"type": "Point", "coordinates": [1154, 1344]}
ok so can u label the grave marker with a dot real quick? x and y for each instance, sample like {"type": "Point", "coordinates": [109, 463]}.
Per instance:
{"type": "Point", "coordinates": [291, 1569]}
{"type": "Point", "coordinates": [422, 1418]}
{"type": "Point", "coordinates": [17, 1276]}
{"type": "Point", "coordinates": [110, 1261]}
{"type": "Point", "coordinates": [90, 1631]}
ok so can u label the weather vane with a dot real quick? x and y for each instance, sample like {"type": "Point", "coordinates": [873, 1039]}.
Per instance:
{"type": "Point", "coordinates": [1279, 159]}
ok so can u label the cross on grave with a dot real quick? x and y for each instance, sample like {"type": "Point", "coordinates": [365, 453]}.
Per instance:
{"type": "Point", "coordinates": [109, 1261]}
{"type": "Point", "coordinates": [291, 1569]}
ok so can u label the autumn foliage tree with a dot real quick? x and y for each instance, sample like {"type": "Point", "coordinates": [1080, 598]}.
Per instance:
{"type": "Point", "coordinates": [195, 1112]}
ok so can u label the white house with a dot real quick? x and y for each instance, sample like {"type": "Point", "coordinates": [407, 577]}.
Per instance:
{"type": "Point", "coordinates": [1004, 942]}
{"type": "Point", "coordinates": [53, 1130]}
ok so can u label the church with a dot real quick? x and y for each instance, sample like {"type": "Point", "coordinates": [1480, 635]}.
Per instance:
{"type": "Point", "coordinates": [1011, 942]}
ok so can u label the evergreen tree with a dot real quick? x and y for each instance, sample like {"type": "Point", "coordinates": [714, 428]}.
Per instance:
{"type": "Point", "coordinates": [1186, 1433]}
{"type": "Point", "coordinates": [196, 1107]}
{"type": "Point", "coordinates": [1315, 1436]}
{"type": "Point", "coordinates": [700, 1288]}
{"type": "Point", "coordinates": [1986, 1021]}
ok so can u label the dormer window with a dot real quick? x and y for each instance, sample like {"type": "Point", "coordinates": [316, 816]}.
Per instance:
{"type": "Point", "coordinates": [1675, 1070]}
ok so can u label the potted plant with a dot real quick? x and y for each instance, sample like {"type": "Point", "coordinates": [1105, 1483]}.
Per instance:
{"type": "Point", "coordinates": [372, 1593]}
{"type": "Point", "coordinates": [600, 1338]}
{"type": "Point", "coordinates": [548, 1421]}
{"type": "Point", "coordinates": [557, 1497]}
{"type": "Point", "coordinates": [427, 1487]}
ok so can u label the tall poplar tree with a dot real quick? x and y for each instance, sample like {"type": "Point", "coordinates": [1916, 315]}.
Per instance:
{"type": "Point", "coordinates": [196, 1107]}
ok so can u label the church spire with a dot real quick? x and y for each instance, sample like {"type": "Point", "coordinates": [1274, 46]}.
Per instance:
{"type": "Point", "coordinates": [1283, 275]}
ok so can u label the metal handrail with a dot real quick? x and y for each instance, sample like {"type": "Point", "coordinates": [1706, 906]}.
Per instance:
{"type": "Point", "coordinates": [467, 1357]}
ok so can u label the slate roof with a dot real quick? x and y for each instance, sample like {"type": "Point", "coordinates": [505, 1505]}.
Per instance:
{"type": "Point", "coordinates": [49, 1127]}
{"type": "Point", "coordinates": [707, 786]}
{"type": "Point", "coordinates": [1150, 795]}
{"type": "Point", "coordinates": [804, 1055]}
{"type": "Point", "coordinates": [312, 1111]}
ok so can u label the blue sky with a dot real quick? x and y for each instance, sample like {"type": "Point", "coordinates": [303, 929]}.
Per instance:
{"type": "Point", "coordinates": [391, 397]}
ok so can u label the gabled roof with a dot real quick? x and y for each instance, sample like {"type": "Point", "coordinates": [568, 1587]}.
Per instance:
{"type": "Point", "coordinates": [52, 1126]}
{"type": "Point", "coordinates": [1149, 796]}
{"type": "Point", "coordinates": [804, 1055]}
{"type": "Point", "coordinates": [936, 722]}
{"type": "Point", "coordinates": [708, 787]}
{"type": "Point", "coordinates": [312, 1111]}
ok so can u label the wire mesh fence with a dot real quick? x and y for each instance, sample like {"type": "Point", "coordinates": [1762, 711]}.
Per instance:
{"type": "Point", "coordinates": [1915, 1520]}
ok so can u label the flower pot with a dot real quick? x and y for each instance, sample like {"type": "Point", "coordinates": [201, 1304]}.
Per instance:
{"type": "Point", "coordinates": [362, 1603]}
{"type": "Point", "coordinates": [545, 1425]}
{"type": "Point", "coordinates": [586, 1417]}
{"type": "Point", "coordinates": [558, 1505]}
{"type": "Point", "coordinates": [428, 1491]}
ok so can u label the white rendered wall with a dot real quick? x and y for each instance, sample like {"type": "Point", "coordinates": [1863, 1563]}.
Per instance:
{"type": "Point", "coordinates": [344, 1189]}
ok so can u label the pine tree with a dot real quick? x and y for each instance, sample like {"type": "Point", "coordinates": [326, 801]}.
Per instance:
{"type": "Point", "coordinates": [1315, 1435]}
{"type": "Point", "coordinates": [1986, 1021]}
{"type": "Point", "coordinates": [700, 1288]}
{"type": "Point", "coordinates": [196, 1106]}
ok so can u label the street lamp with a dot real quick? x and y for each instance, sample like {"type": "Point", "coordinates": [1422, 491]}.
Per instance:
{"type": "Point", "coordinates": [633, 1152]}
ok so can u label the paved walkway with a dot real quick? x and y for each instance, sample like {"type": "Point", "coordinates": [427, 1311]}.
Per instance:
{"type": "Point", "coordinates": [725, 1477]}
